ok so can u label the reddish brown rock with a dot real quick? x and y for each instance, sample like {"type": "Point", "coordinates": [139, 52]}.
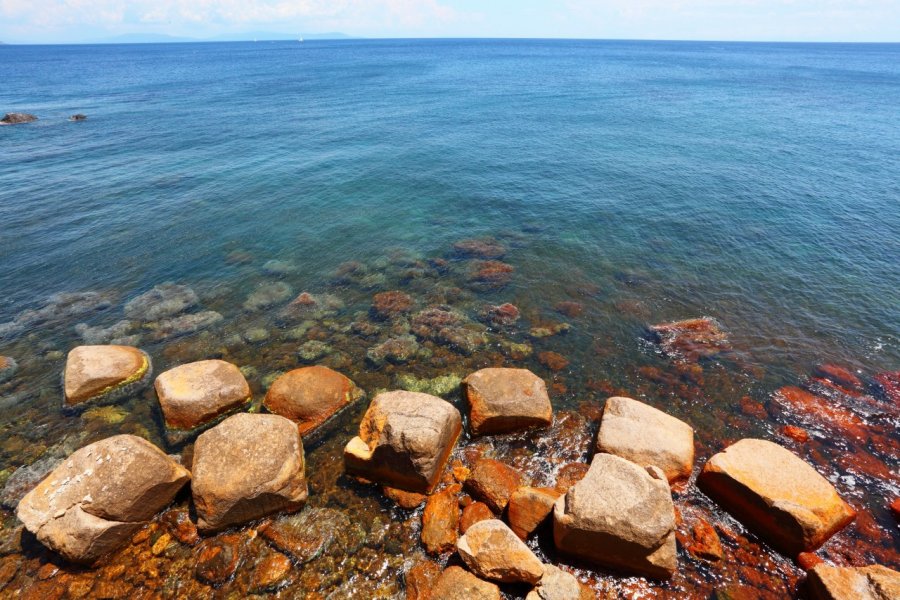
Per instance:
{"type": "Point", "coordinates": [895, 508]}
{"type": "Point", "coordinates": [104, 374]}
{"type": "Point", "coordinates": [798, 434]}
{"type": "Point", "coordinates": [490, 274]}
{"type": "Point", "coordinates": [875, 582]}
{"type": "Point", "coordinates": [821, 411]}
{"type": "Point", "coordinates": [196, 393]}
{"type": "Point", "coordinates": [455, 583]}
{"type": "Point", "coordinates": [420, 580]}
{"type": "Point", "coordinates": [841, 377]}
{"type": "Point", "coordinates": [271, 573]}
{"type": "Point", "coordinates": [503, 400]}
{"type": "Point", "coordinates": [311, 397]}
{"type": "Point", "coordinates": [386, 305]}
{"type": "Point", "coordinates": [504, 315]}
{"type": "Point", "coordinates": [493, 482]}
{"type": "Point", "coordinates": [491, 550]}
{"type": "Point", "coordinates": [646, 436]}
{"type": "Point", "coordinates": [570, 308]}
{"type": "Point", "coordinates": [479, 248]}
{"type": "Point", "coordinates": [553, 360]}
{"type": "Point", "coordinates": [247, 467]}
{"type": "Point", "coordinates": [404, 499]}
{"type": "Point", "coordinates": [100, 496]}
{"type": "Point", "coordinates": [776, 494]}
{"type": "Point", "coordinates": [218, 558]}
{"type": "Point", "coordinates": [705, 542]}
{"type": "Point", "coordinates": [808, 560]}
{"type": "Point", "coordinates": [179, 524]}
{"type": "Point", "coordinates": [528, 507]}
{"type": "Point", "coordinates": [620, 515]}
{"type": "Point", "coordinates": [440, 520]}
{"type": "Point", "coordinates": [692, 339]}
{"type": "Point", "coordinates": [890, 386]}
{"type": "Point", "coordinates": [570, 474]}
{"type": "Point", "coordinates": [474, 512]}
{"type": "Point", "coordinates": [404, 441]}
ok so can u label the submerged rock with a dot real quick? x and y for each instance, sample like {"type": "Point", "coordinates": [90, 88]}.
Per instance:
{"type": "Point", "coordinates": [691, 339]}
{"type": "Point", "coordinates": [620, 515]}
{"type": "Point", "coordinates": [776, 494]}
{"type": "Point", "coordinates": [455, 583]}
{"type": "Point", "coordinates": [306, 535]}
{"type": "Point", "coordinates": [313, 350]}
{"type": "Point", "coordinates": [875, 582]}
{"type": "Point", "coordinates": [59, 307]}
{"type": "Point", "coordinates": [195, 394]}
{"type": "Point", "coordinates": [279, 267]}
{"type": "Point", "coordinates": [501, 316]}
{"type": "Point", "coordinates": [247, 467]}
{"type": "Point", "coordinates": [441, 385]}
{"type": "Point", "coordinates": [267, 295]}
{"type": "Point", "coordinates": [646, 436]}
{"type": "Point", "coordinates": [396, 350]}
{"type": "Point", "coordinates": [404, 441]}
{"type": "Point", "coordinates": [218, 558]}
{"type": "Point", "coordinates": [104, 335]}
{"type": "Point", "coordinates": [163, 301]}
{"type": "Point", "coordinates": [25, 478]}
{"type": "Point", "coordinates": [503, 400]}
{"type": "Point", "coordinates": [493, 551]}
{"type": "Point", "coordinates": [99, 496]}
{"type": "Point", "coordinates": [8, 368]}
{"type": "Point", "coordinates": [185, 324]}
{"type": "Point", "coordinates": [104, 374]}
{"type": "Point", "coordinates": [386, 305]}
{"type": "Point", "coordinates": [311, 397]}
{"type": "Point", "coordinates": [479, 248]}
{"type": "Point", "coordinates": [78, 117]}
{"type": "Point", "coordinates": [490, 274]}
{"type": "Point", "coordinates": [17, 118]}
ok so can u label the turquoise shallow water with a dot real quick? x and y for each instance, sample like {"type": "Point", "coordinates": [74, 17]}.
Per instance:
{"type": "Point", "coordinates": [758, 184]}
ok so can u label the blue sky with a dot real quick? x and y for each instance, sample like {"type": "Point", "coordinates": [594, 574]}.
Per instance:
{"type": "Point", "coordinates": [795, 20]}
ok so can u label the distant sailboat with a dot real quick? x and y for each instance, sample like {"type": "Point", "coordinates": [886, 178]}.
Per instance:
{"type": "Point", "coordinates": [301, 39]}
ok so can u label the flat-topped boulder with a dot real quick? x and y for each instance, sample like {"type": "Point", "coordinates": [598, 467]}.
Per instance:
{"type": "Point", "coordinates": [619, 515]}
{"type": "Point", "coordinates": [503, 400]}
{"type": "Point", "coordinates": [17, 118]}
{"type": "Point", "coordinates": [491, 550]}
{"type": "Point", "coordinates": [404, 440]}
{"type": "Point", "coordinates": [195, 394]}
{"type": "Point", "coordinates": [104, 374]}
{"type": "Point", "coordinates": [776, 494]}
{"type": "Point", "coordinates": [455, 583]}
{"type": "Point", "coordinates": [311, 397]}
{"type": "Point", "coordinates": [875, 582]}
{"type": "Point", "coordinates": [247, 467]}
{"type": "Point", "coordinates": [646, 436]}
{"type": "Point", "coordinates": [100, 496]}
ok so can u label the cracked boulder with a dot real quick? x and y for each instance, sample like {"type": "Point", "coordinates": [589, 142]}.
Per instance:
{"type": "Point", "coordinates": [104, 374]}
{"type": "Point", "coordinates": [246, 467]}
{"type": "Point", "coordinates": [619, 515]}
{"type": "Point", "coordinates": [503, 400]}
{"type": "Point", "coordinates": [775, 493]}
{"type": "Point", "coordinates": [404, 441]}
{"type": "Point", "coordinates": [100, 496]}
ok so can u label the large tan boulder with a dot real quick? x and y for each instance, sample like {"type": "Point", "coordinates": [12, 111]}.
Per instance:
{"type": "Point", "coordinates": [646, 436]}
{"type": "Point", "coordinates": [98, 497]}
{"type": "Point", "coordinates": [404, 440]}
{"type": "Point", "coordinates": [619, 515]}
{"type": "Point", "coordinates": [491, 550]}
{"type": "Point", "coordinates": [311, 397]}
{"type": "Point", "coordinates": [247, 467]}
{"type": "Point", "coordinates": [194, 394]}
{"type": "Point", "coordinates": [875, 582]}
{"type": "Point", "coordinates": [776, 494]}
{"type": "Point", "coordinates": [503, 400]}
{"type": "Point", "coordinates": [455, 583]}
{"type": "Point", "coordinates": [104, 374]}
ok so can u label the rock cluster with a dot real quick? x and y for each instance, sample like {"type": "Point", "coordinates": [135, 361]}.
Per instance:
{"type": "Point", "coordinates": [17, 118]}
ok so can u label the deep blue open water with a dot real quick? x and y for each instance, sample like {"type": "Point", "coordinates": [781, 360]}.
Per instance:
{"type": "Point", "coordinates": [758, 184]}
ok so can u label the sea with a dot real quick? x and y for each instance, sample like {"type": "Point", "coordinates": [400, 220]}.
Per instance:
{"type": "Point", "coordinates": [625, 183]}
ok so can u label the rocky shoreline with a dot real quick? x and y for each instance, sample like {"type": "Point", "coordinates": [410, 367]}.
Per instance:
{"type": "Point", "coordinates": [464, 480]}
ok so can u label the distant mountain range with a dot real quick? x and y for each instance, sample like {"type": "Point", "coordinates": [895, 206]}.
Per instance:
{"type": "Point", "coordinates": [249, 36]}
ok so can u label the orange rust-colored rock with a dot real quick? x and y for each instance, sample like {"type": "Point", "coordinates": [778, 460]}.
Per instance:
{"type": "Point", "coordinates": [421, 579]}
{"type": "Point", "coordinates": [503, 400]}
{"type": "Point", "coordinates": [841, 377]}
{"type": "Point", "coordinates": [311, 396]}
{"type": "Point", "coordinates": [404, 499]}
{"type": "Point", "coordinates": [455, 583]}
{"type": "Point", "coordinates": [493, 482]}
{"type": "Point", "coordinates": [895, 508]}
{"type": "Point", "coordinates": [440, 520]}
{"type": "Point", "coordinates": [705, 541]}
{"type": "Point", "coordinates": [821, 411]}
{"type": "Point", "coordinates": [553, 360]}
{"type": "Point", "coordinates": [808, 560]}
{"type": "Point", "coordinates": [193, 394]}
{"type": "Point", "coordinates": [875, 582]}
{"type": "Point", "coordinates": [474, 512]}
{"type": "Point", "coordinates": [104, 373]}
{"type": "Point", "coordinates": [692, 339]}
{"type": "Point", "coordinates": [390, 304]}
{"type": "Point", "coordinates": [775, 493]}
{"type": "Point", "coordinates": [491, 274]}
{"type": "Point", "coordinates": [798, 434]}
{"type": "Point", "coordinates": [528, 507]}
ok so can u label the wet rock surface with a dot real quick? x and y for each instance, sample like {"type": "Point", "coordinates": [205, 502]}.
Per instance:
{"type": "Point", "coordinates": [458, 584]}
{"type": "Point", "coordinates": [194, 394]}
{"type": "Point", "coordinates": [404, 440]}
{"type": "Point", "coordinates": [777, 494]}
{"type": "Point", "coordinates": [493, 482]}
{"type": "Point", "coordinates": [492, 551]}
{"type": "Point", "coordinates": [104, 374]}
{"type": "Point", "coordinates": [247, 467]}
{"type": "Point", "coordinates": [97, 498]}
{"type": "Point", "coordinates": [17, 118]}
{"type": "Point", "coordinates": [503, 400]}
{"type": "Point", "coordinates": [874, 582]}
